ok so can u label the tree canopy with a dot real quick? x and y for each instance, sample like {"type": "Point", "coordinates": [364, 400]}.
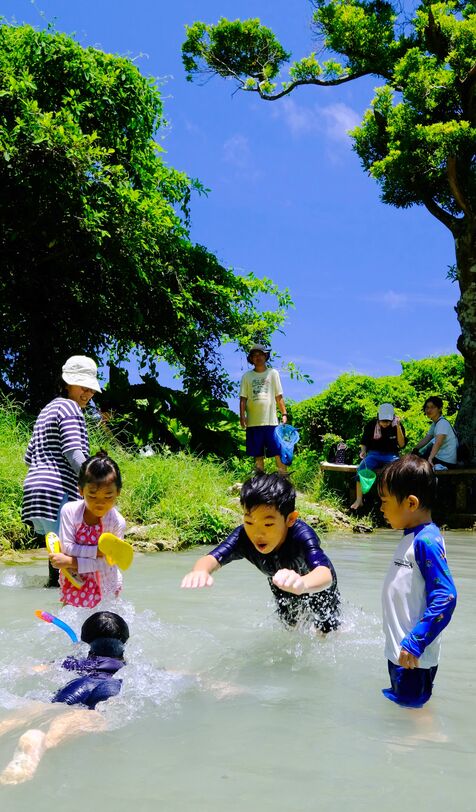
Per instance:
{"type": "Point", "coordinates": [95, 249]}
{"type": "Point", "coordinates": [417, 140]}
{"type": "Point", "coordinates": [341, 411]}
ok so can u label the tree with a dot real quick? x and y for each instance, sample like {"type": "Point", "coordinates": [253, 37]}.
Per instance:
{"type": "Point", "coordinates": [95, 252]}
{"type": "Point", "coordinates": [351, 400]}
{"type": "Point", "coordinates": [418, 139]}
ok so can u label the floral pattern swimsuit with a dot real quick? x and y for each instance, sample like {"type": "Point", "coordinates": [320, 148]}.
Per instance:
{"type": "Point", "coordinates": [90, 593]}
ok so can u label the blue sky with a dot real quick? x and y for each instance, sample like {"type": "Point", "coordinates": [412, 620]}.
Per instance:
{"type": "Point", "coordinates": [289, 199]}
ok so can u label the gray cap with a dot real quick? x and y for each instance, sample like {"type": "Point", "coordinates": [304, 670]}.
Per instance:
{"type": "Point", "coordinates": [260, 348]}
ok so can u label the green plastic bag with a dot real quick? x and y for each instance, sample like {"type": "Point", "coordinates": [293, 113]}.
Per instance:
{"type": "Point", "coordinates": [367, 478]}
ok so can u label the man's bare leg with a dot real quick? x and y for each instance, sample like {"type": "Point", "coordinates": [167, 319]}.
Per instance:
{"type": "Point", "coordinates": [259, 463]}
{"type": "Point", "coordinates": [282, 468]}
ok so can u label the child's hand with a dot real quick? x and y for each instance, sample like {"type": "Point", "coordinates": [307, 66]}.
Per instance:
{"type": "Point", "coordinates": [407, 660]}
{"type": "Point", "coordinates": [243, 422]}
{"type": "Point", "coordinates": [289, 581]}
{"type": "Point", "coordinates": [196, 580]}
{"type": "Point", "coordinates": [60, 560]}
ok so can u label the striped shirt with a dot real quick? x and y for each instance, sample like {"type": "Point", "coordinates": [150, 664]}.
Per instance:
{"type": "Point", "coordinates": [60, 428]}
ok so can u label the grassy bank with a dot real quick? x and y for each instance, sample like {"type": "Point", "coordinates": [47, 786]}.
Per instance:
{"type": "Point", "coordinates": [175, 500]}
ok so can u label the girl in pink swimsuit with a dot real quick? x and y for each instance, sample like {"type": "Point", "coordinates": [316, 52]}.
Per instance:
{"type": "Point", "coordinates": [81, 524]}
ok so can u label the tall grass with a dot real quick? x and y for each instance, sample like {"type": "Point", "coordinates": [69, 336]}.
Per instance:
{"type": "Point", "coordinates": [184, 499]}
{"type": "Point", "coordinates": [15, 432]}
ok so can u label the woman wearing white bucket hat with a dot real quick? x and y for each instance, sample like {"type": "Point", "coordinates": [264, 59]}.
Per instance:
{"type": "Point", "coordinates": [58, 447]}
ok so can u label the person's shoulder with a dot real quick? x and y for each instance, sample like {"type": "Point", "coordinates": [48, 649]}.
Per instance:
{"type": "Point", "coordinates": [73, 507]}
{"type": "Point", "coordinates": [115, 516]}
{"type": "Point", "coordinates": [429, 536]}
{"type": "Point", "coordinates": [442, 425]}
{"type": "Point", "coordinates": [301, 531]}
{"type": "Point", "coordinates": [430, 531]}
{"type": "Point", "coordinates": [67, 407]}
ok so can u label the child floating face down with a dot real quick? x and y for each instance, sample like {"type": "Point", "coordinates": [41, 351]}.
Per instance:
{"type": "Point", "coordinates": [81, 524]}
{"type": "Point", "coordinates": [419, 595]}
{"type": "Point", "coordinates": [284, 548]}
{"type": "Point", "coordinates": [106, 633]}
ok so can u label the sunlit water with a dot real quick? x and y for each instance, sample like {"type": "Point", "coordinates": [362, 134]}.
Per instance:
{"type": "Point", "coordinates": [276, 720]}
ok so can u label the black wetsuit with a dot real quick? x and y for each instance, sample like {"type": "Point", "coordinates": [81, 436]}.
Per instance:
{"type": "Point", "coordinates": [301, 551]}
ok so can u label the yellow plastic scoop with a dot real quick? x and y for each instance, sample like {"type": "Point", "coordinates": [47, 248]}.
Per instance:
{"type": "Point", "coordinates": [116, 551]}
{"type": "Point", "coordinates": [53, 545]}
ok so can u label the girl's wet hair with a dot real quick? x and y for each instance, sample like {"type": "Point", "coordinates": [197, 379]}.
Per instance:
{"type": "Point", "coordinates": [97, 468]}
{"type": "Point", "coordinates": [409, 476]}
{"type": "Point", "coordinates": [269, 489]}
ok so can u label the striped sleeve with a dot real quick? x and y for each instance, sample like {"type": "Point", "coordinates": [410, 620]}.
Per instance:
{"type": "Point", "coordinates": [72, 428]}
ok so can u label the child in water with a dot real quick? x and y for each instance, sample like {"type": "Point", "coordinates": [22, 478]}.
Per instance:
{"type": "Point", "coordinates": [283, 547]}
{"type": "Point", "coordinates": [81, 524]}
{"type": "Point", "coordinates": [106, 633]}
{"type": "Point", "coordinates": [419, 595]}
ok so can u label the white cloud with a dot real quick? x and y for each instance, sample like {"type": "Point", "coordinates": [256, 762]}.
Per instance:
{"type": "Point", "coordinates": [332, 120]}
{"type": "Point", "coordinates": [236, 151]}
{"type": "Point", "coordinates": [400, 301]}
{"type": "Point", "coordinates": [340, 119]}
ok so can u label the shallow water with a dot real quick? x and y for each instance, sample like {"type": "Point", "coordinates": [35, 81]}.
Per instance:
{"type": "Point", "coordinates": [277, 720]}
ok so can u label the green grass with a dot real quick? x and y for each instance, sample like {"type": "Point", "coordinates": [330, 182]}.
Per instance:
{"type": "Point", "coordinates": [185, 499]}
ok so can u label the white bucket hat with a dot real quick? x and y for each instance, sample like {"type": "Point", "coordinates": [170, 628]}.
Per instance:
{"type": "Point", "coordinates": [386, 411]}
{"type": "Point", "coordinates": [79, 370]}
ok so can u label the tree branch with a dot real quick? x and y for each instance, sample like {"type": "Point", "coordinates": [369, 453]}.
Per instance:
{"type": "Point", "coordinates": [298, 82]}
{"type": "Point", "coordinates": [443, 216]}
{"type": "Point", "coordinates": [454, 186]}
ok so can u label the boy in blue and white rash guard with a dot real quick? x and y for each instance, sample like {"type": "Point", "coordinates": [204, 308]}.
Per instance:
{"type": "Point", "coordinates": [419, 595]}
{"type": "Point", "coordinates": [284, 548]}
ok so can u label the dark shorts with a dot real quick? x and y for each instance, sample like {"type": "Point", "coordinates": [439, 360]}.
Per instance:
{"type": "Point", "coordinates": [411, 687]}
{"type": "Point", "coordinates": [321, 609]}
{"type": "Point", "coordinates": [260, 442]}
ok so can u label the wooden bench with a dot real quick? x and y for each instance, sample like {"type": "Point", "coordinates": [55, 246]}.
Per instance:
{"type": "Point", "coordinates": [462, 510]}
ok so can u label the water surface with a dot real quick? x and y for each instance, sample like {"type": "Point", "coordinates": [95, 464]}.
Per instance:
{"type": "Point", "coordinates": [276, 720]}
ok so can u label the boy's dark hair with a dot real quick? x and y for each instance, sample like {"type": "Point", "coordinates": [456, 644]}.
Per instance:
{"type": "Point", "coordinates": [104, 624]}
{"type": "Point", "coordinates": [410, 475]}
{"type": "Point", "coordinates": [435, 400]}
{"type": "Point", "coordinates": [97, 468]}
{"type": "Point", "coordinates": [269, 489]}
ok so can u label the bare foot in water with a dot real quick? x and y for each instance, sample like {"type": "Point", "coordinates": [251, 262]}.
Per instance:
{"type": "Point", "coordinates": [26, 758]}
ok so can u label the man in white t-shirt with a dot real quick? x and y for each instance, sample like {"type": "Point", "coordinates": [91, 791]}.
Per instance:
{"type": "Point", "coordinates": [260, 393]}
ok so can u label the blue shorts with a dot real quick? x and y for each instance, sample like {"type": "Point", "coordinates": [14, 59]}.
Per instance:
{"type": "Point", "coordinates": [376, 459]}
{"type": "Point", "coordinates": [411, 687]}
{"type": "Point", "coordinates": [261, 442]}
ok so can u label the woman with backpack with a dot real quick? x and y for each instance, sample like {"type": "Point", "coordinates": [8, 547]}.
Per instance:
{"type": "Point", "coordinates": [440, 444]}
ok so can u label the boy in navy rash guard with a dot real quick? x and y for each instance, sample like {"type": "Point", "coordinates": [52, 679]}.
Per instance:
{"type": "Point", "coordinates": [419, 595]}
{"type": "Point", "coordinates": [284, 548]}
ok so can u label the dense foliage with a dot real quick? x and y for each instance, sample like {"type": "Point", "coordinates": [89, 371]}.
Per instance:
{"type": "Point", "coordinates": [341, 411]}
{"type": "Point", "coordinates": [418, 140]}
{"type": "Point", "coordinates": [95, 255]}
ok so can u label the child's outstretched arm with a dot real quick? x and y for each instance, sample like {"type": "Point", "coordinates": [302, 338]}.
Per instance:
{"type": "Point", "coordinates": [317, 580]}
{"type": "Point", "coordinates": [201, 574]}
